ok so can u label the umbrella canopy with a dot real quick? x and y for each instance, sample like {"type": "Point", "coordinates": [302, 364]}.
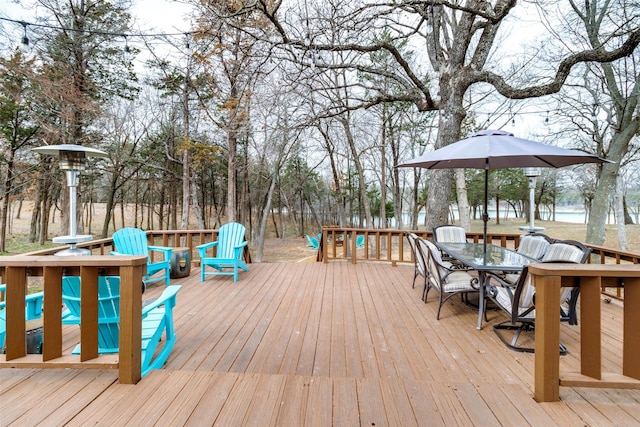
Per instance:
{"type": "Point", "coordinates": [497, 149]}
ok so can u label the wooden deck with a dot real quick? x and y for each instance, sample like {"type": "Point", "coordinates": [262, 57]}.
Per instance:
{"type": "Point", "coordinates": [296, 344]}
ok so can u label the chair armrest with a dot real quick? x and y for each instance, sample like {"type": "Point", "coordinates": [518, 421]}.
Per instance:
{"type": "Point", "coordinates": [492, 289]}
{"type": "Point", "coordinates": [167, 297]}
{"type": "Point", "coordinates": [202, 249]}
{"type": "Point", "coordinates": [491, 275]}
{"type": "Point", "coordinates": [33, 303]}
{"type": "Point", "coordinates": [240, 247]}
{"type": "Point", "coordinates": [237, 250]}
{"type": "Point", "coordinates": [166, 250]}
{"type": "Point", "coordinates": [207, 245]}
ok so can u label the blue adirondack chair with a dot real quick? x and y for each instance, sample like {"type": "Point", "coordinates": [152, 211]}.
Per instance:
{"type": "Point", "coordinates": [157, 319]}
{"type": "Point", "coordinates": [312, 242]}
{"type": "Point", "coordinates": [230, 245]}
{"type": "Point", "coordinates": [360, 241]}
{"type": "Point", "coordinates": [33, 310]}
{"type": "Point", "coordinates": [133, 241]}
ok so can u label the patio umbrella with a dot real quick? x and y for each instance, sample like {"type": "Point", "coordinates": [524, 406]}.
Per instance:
{"type": "Point", "coordinates": [496, 149]}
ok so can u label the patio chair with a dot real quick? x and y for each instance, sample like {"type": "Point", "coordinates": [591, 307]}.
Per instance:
{"type": "Point", "coordinates": [452, 234]}
{"type": "Point", "coordinates": [157, 319]}
{"type": "Point", "coordinates": [449, 233]}
{"type": "Point", "coordinates": [419, 259]}
{"type": "Point", "coordinates": [229, 248]}
{"type": "Point", "coordinates": [446, 280]}
{"type": "Point", "coordinates": [532, 245]}
{"type": "Point", "coordinates": [568, 251]}
{"type": "Point", "coordinates": [133, 241]}
{"type": "Point", "coordinates": [313, 242]}
{"type": "Point", "coordinates": [33, 310]}
{"type": "Point", "coordinates": [518, 302]}
{"type": "Point", "coordinates": [360, 241]}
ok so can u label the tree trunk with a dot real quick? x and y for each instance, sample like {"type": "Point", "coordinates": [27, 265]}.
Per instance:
{"type": "Point", "coordinates": [232, 188]}
{"type": "Point", "coordinates": [186, 173]}
{"type": "Point", "coordinates": [606, 186]}
{"type": "Point", "coordinates": [197, 210]}
{"type": "Point", "coordinates": [627, 216]}
{"type": "Point", "coordinates": [383, 176]}
{"type": "Point", "coordinates": [6, 193]}
{"type": "Point", "coordinates": [362, 187]}
{"type": "Point", "coordinates": [452, 114]}
{"type": "Point", "coordinates": [262, 229]}
{"type": "Point", "coordinates": [619, 215]}
{"type": "Point", "coordinates": [463, 202]}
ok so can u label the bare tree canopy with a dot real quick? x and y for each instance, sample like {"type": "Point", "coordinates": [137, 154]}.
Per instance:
{"type": "Point", "coordinates": [456, 37]}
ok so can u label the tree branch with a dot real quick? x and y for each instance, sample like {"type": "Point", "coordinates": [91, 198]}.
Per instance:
{"type": "Point", "coordinates": [593, 55]}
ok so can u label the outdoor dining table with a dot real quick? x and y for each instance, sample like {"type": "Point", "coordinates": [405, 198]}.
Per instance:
{"type": "Point", "coordinates": [484, 259]}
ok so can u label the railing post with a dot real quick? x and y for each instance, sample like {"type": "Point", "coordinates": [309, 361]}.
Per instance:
{"type": "Point", "coordinates": [88, 313]}
{"type": "Point", "coordinates": [352, 244]}
{"type": "Point", "coordinates": [16, 281]}
{"type": "Point", "coordinates": [130, 364]}
{"type": "Point", "coordinates": [51, 314]}
{"type": "Point", "coordinates": [590, 324]}
{"type": "Point", "coordinates": [547, 336]}
{"type": "Point", "coordinates": [631, 322]}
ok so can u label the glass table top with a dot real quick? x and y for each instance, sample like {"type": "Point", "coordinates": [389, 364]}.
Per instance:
{"type": "Point", "coordinates": [496, 257]}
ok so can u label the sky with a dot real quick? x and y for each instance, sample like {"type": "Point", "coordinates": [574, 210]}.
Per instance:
{"type": "Point", "coordinates": [160, 14]}
{"type": "Point", "coordinates": [150, 16]}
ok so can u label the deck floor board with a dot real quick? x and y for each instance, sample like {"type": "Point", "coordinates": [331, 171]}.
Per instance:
{"type": "Point", "coordinates": [323, 344]}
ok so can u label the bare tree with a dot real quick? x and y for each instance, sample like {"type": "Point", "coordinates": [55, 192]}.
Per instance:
{"type": "Point", "coordinates": [277, 135]}
{"type": "Point", "coordinates": [16, 130]}
{"type": "Point", "coordinates": [458, 37]}
{"type": "Point", "coordinates": [619, 96]}
{"type": "Point", "coordinates": [80, 70]}
{"type": "Point", "coordinates": [233, 60]}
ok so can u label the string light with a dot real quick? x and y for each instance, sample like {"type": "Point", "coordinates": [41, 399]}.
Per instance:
{"type": "Point", "coordinates": [25, 39]}
{"type": "Point", "coordinates": [545, 115]}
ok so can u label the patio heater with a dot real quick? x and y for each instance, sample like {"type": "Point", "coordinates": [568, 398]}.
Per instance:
{"type": "Point", "coordinates": [532, 174]}
{"type": "Point", "coordinates": [73, 160]}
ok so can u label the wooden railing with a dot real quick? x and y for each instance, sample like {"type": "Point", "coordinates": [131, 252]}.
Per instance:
{"type": "Point", "coordinates": [548, 279]}
{"type": "Point", "coordinates": [386, 245]}
{"type": "Point", "coordinates": [602, 255]}
{"type": "Point", "coordinates": [379, 245]}
{"type": "Point", "coordinates": [389, 246]}
{"type": "Point", "coordinates": [171, 238]}
{"type": "Point", "coordinates": [15, 270]}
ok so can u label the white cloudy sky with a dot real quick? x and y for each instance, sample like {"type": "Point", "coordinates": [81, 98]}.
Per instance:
{"type": "Point", "coordinates": [162, 14]}
{"type": "Point", "coordinates": [157, 16]}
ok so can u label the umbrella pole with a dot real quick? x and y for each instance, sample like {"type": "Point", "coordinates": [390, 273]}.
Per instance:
{"type": "Point", "coordinates": [485, 215]}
